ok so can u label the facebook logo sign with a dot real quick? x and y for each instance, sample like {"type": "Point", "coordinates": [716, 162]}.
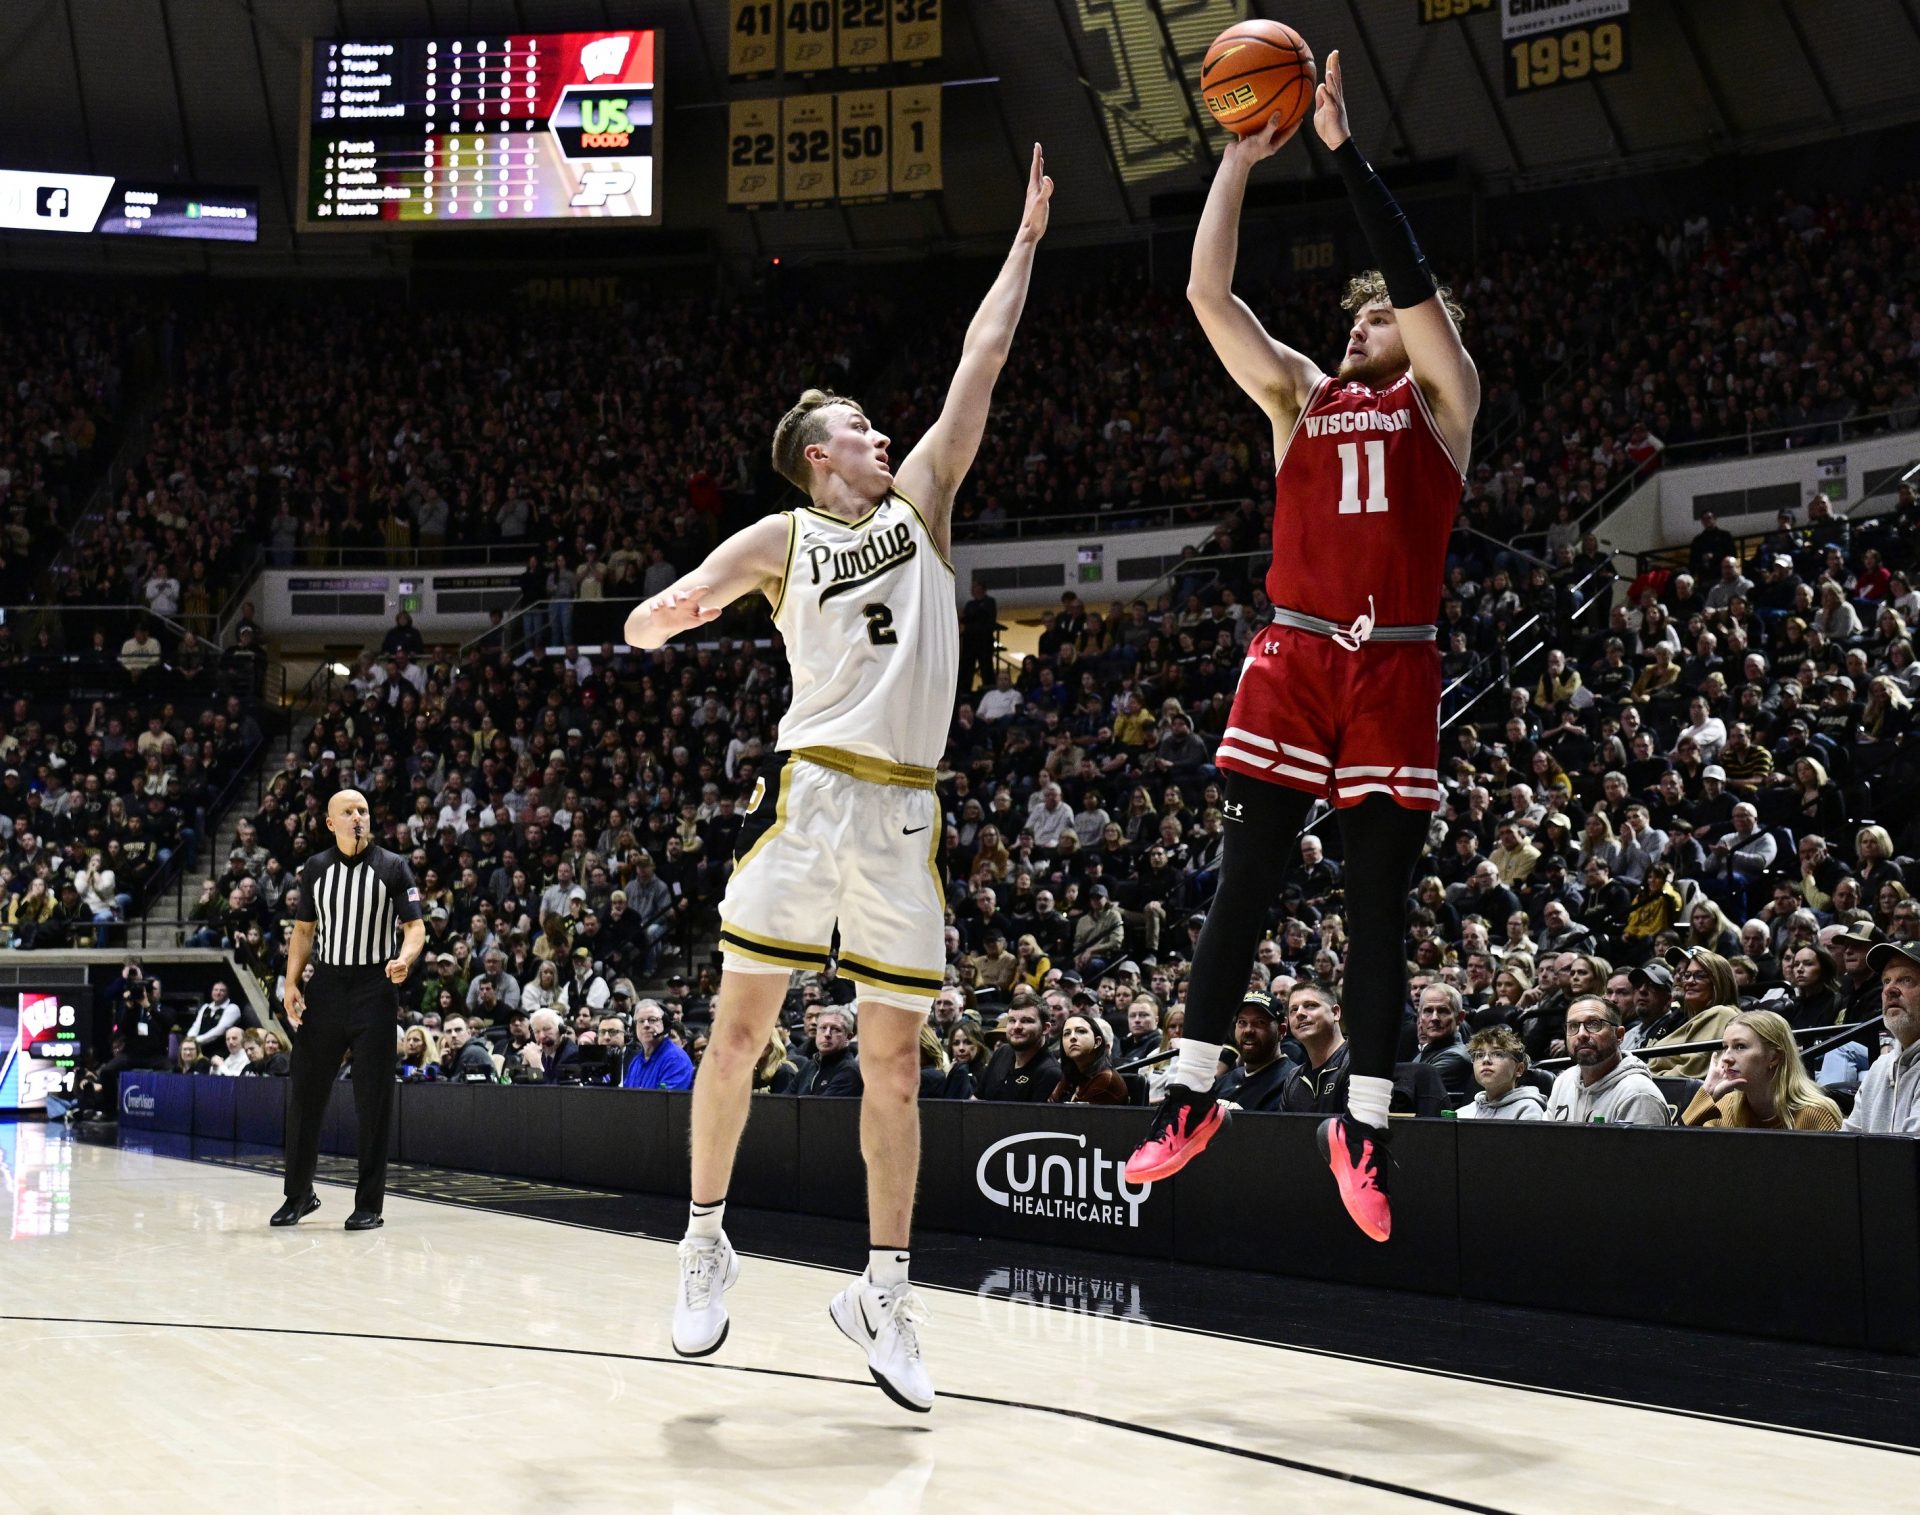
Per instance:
{"type": "Point", "coordinates": [50, 200]}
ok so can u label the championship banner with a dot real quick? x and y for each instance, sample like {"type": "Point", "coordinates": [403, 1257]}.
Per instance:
{"type": "Point", "coordinates": [1528, 18]}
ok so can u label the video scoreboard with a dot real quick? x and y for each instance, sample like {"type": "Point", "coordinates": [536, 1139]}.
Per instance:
{"type": "Point", "coordinates": [409, 134]}
{"type": "Point", "coordinates": [42, 1041]}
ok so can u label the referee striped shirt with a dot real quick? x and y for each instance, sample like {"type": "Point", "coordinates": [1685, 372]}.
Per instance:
{"type": "Point", "coordinates": [359, 903]}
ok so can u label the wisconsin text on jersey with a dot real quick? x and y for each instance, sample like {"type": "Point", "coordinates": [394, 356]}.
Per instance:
{"type": "Point", "coordinates": [848, 568]}
{"type": "Point", "coordinates": [1359, 420]}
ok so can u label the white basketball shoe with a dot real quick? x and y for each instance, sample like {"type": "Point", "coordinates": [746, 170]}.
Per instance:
{"type": "Point", "coordinates": [707, 1270]}
{"type": "Point", "coordinates": [885, 1324]}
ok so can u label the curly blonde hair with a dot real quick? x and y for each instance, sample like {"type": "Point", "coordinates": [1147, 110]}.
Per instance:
{"type": "Point", "coordinates": [1365, 288]}
{"type": "Point", "coordinates": [798, 430]}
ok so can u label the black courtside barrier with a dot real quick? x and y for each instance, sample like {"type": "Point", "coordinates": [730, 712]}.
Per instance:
{"type": "Point", "coordinates": [1811, 1238]}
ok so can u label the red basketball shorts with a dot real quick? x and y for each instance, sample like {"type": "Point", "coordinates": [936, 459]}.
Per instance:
{"type": "Point", "coordinates": [1340, 725]}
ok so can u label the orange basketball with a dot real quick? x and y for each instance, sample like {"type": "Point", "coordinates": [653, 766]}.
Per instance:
{"type": "Point", "coordinates": [1254, 69]}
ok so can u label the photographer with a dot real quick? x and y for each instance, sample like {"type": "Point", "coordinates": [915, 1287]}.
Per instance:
{"type": "Point", "coordinates": [140, 1042]}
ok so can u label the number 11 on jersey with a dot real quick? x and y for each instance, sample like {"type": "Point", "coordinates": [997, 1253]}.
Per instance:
{"type": "Point", "coordinates": [1350, 478]}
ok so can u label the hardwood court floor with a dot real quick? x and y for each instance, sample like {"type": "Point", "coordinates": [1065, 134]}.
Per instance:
{"type": "Point", "coordinates": [168, 1351]}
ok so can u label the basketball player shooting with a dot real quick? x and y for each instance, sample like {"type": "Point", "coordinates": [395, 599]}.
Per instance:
{"type": "Point", "coordinates": [844, 824]}
{"type": "Point", "coordinates": [1340, 695]}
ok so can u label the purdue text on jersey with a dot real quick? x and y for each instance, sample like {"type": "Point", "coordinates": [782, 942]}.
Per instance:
{"type": "Point", "coordinates": [848, 568]}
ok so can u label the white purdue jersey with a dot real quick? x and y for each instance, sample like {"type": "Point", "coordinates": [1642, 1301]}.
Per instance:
{"type": "Point", "coordinates": [873, 634]}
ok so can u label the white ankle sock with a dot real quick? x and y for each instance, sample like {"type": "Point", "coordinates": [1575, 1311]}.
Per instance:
{"type": "Point", "coordinates": [1368, 1098]}
{"type": "Point", "coordinates": [1198, 1064]}
{"type": "Point", "coordinates": [887, 1266]}
{"type": "Point", "coordinates": [703, 1221]}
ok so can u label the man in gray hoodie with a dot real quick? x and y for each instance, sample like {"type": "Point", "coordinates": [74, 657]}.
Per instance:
{"type": "Point", "coordinates": [1604, 1084]}
{"type": "Point", "coordinates": [1889, 1097]}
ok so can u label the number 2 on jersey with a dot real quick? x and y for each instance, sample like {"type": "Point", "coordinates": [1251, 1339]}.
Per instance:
{"type": "Point", "coordinates": [1350, 478]}
{"type": "Point", "coordinates": [880, 630]}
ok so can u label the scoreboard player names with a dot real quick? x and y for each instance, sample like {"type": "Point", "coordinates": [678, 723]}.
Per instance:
{"type": "Point", "coordinates": [416, 133]}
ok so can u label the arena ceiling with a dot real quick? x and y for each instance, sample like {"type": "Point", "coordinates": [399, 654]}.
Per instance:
{"type": "Point", "coordinates": [208, 91]}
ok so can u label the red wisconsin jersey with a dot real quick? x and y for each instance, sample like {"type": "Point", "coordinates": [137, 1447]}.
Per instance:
{"type": "Point", "coordinates": [1364, 501]}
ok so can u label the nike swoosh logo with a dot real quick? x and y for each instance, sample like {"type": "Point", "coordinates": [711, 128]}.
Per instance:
{"type": "Point", "coordinates": [913, 830]}
{"type": "Point", "coordinates": [871, 1329]}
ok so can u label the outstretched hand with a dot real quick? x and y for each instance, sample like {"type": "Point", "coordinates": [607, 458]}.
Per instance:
{"type": "Point", "coordinates": [1330, 105]}
{"type": "Point", "coordinates": [676, 610]}
{"type": "Point", "coordinates": [1033, 220]}
{"type": "Point", "coordinates": [1255, 146]}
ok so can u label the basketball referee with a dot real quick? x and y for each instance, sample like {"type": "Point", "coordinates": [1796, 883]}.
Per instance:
{"type": "Point", "coordinates": [352, 897]}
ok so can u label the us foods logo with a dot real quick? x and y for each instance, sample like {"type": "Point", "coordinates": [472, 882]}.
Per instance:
{"type": "Point", "coordinates": [133, 1102]}
{"type": "Point", "coordinates": [1089, 1186]}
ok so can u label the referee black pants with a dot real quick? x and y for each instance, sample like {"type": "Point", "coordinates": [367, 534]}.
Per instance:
{"type": "Point", "coordinates": [346, 1008]}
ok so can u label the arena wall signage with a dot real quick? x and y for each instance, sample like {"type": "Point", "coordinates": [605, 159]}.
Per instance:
{"type": "Point", "coordinates": [1030, 1174]}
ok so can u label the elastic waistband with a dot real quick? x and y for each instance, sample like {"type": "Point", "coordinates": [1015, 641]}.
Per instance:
{"type": "Point", "coordinates": [873, 770]}
{"type": "Point", "coordinates": [1362, 629]}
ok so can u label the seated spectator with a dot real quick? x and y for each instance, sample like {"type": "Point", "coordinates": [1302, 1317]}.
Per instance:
{"type": "Point", "coordinates": [657, 1062]}
{"type": "Point", "coordinates": [211, 1021]}
{"type": "Point", "coordinates": [967, 1056]}
{"type": "Point", "coordinates": [1499, 1063]}
{"type": "Point", "coordinates": [190, 1059]}
{"type": "Point", "coordinates": [1318, 1084]}
{"type": "Point", "coordinates": [1705, 999]}
{"type": "Point", "coordinates": [1021, 1068]}
{"type": "Point", "coordinates": [419, 1057]}
{"type": "Point", "coordinates": [1439, 1043]}
{"type": "Point", "coordinates": [1605, 1085]}
{"type": "Point", "coordinates": [1160, 1075]}
{"type": "Point", "coordinates": [1759, 1082]}
{"type": "Point", "coordinates": [776, 1072]}
{"type": "Point", "coordinates": [1143, 1029]}
{"type": "Point", "coordinates": [994, 967]}
{"type": "Point", "coordinates": [544, 992]}
{"type": "Point", "coordinates": [550, 1049]}
{"type": "Point", "coordinates": [835, 1068]}
{"type": "Point", "coordinates": [1259, 1078]}
{"type": "Point", "coordinates": [464, 1057]}
{"type": "Point", "coordinates": [1086, 1064]}
{"type": "Point", "coordinates": [933, 1063]}
{"type": "Point", "coordinates": [231, 1062]}
{"type": "Point", "coordinates": [1888, 1102]}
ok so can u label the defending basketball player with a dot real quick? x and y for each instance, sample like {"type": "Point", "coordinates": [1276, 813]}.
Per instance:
{"type": "Point", "coordinates": [1339, 698]}
{"type": "Point", "coordinates": [844, 824]}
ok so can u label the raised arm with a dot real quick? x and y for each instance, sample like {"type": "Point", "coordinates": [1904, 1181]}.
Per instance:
{"type": "Point", "coordinates": [932, 472]}
{"type": "Point", "coordinates": [1441, 366]}
{"type": "Point", "coordinates": [1277, 378]}
{"type": "Point", "coordinates": [755, 558]}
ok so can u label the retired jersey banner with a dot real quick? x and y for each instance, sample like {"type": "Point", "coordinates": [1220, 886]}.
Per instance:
{"type": "Point", "coordinates": [1527, 18]}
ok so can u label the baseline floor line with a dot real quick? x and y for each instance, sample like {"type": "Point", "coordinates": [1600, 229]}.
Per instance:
{"type": "Point", "coordinates": [1227, 1449]}
{"type": "Point", "coordinates": [1454, 1374]}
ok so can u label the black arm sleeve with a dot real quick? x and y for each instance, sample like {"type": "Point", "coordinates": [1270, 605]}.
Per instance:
{"type": "Point", "coordinates": [1409, 281]}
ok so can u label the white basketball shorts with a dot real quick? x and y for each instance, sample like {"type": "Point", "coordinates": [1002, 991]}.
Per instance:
{"type": "Point", "coordinates": [832, 836]}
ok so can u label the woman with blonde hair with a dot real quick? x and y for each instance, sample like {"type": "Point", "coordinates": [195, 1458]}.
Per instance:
{"type": "Point", "coordinates": [1822, 811]}
{"type": "Point", "coordinates": [544, 990]}
{"type": "Point", "coordinates": [933, 1062]}
{"type": "Point", "coordinates": [419, 1054]}
{"type": "Point", "coordinates": [1511, 983]}
{"type": "Point", "coordinates": [1031, 966]}
{"type": "Point", "coordinates": [1598, 841]}
{"type": "Point", "coordinates": [775, 1072]}
{"type": "Point", "coordinates": [1758, 1082]}
{"type": "Point", "coordinates": [1873, 849]}
{"type": "Point", "coordinates": [1705, 998]}
{"type": "Point", "coordinates": [1890, 897]}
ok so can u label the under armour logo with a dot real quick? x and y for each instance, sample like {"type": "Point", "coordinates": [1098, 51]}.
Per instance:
{"type": "Point", "coordinates": [1270, 648]}
{"type": "Point", "coordinates": [1234, 810]}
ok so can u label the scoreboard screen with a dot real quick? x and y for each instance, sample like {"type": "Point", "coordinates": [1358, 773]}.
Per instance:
{"type": "Point", "coordinates": [408, 134]}
{"type": "Point", "coordinates": [41, 1044]}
